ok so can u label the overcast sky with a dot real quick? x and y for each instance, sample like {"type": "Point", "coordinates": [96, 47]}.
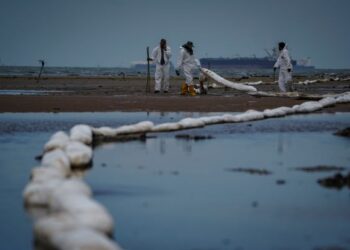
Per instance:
{"type": "Point", "coordinates": [117, 32]}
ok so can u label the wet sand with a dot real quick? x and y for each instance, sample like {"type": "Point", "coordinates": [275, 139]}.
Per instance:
{"type": "Point", "coordinates": [81, 94]}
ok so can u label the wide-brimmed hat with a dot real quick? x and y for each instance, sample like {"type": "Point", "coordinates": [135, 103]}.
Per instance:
{"type": "Point", "coordinates": [189, 43]}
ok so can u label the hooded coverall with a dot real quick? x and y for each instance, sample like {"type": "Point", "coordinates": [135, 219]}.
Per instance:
{"type": "Point", "coordinates": [188, 63]}
{"type": "Point", "coordinates": [284, 63]}
{"type": "Point", "coordinates": [162, 70]}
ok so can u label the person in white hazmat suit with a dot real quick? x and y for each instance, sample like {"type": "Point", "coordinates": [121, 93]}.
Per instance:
{"type": "Point", "coordinates": [188, 63]}
{"type": "Point", "coordinates": [161, 56]}
{"type": "Point", "coordinates": [285, 65]}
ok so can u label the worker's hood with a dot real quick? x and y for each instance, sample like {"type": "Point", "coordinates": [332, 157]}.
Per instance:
{"type": "Point", "coordinates": [188, 49]}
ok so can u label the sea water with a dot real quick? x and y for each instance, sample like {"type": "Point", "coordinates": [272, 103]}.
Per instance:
{"type": "Point", "coordinates": [32, 71]}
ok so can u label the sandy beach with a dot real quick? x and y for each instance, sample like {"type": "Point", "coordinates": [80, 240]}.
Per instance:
{"type": "Point", "coordinates": [84, 94]}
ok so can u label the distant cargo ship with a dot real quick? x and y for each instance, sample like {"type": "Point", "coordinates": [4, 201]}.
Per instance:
{"type": "Point", "coordinates": [266, 62]}
{"type": "Point", "coordinates": [247, 63]}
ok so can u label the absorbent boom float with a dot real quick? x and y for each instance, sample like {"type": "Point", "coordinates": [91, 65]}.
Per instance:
{"type": "Point", "coordinates": [246, 87]}
{"type": "Point", "coordinates": [227, 83]}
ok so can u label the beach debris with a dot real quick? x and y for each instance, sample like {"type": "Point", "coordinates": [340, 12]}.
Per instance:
{"type": "Point", "coordinates": [193, 137]}
{"type": "Point", "coordinates": [253, 171]}
{"type": "Point", "coordinates": [337, 181]}
{"type": "Point", "coordinates": [320, 168]}
{"type": "Point", "coordinates": [344, 132]}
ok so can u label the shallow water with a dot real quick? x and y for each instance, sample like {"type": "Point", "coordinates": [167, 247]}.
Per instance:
{"type": "Point", "coordinates": [168, 193]}
{"type": "Point", "coordinates": [28, 92]}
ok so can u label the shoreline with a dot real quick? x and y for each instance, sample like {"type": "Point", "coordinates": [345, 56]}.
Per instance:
{"type": "Point", "coordinates": [105, 95]}
{"type": "Point", "coordinates": [27, 104]}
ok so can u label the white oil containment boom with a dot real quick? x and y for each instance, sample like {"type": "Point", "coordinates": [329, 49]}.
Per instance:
{"type": "Point", "coordinates": [227, 83]}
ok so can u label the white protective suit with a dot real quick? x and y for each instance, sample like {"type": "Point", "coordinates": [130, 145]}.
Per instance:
{"type": "Point", "coordinates": [162, 71]}
{"type": "Point", "coordinates": [188, 63]}
{"type": "Point", "coordinates": [284, 63]}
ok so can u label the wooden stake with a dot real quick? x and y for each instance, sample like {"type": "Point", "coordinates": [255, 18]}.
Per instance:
{"type": "Point", "coordinates": [148, 82]}
{"type": "Point", "coordinates": [41, 70]}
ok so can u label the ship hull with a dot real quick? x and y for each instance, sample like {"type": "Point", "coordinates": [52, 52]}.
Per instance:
{"type": "Point", "coordinates": [244, 63]}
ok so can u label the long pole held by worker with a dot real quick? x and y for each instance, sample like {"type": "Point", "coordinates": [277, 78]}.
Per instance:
{"type": "Point", "coordinates": [148, 82]}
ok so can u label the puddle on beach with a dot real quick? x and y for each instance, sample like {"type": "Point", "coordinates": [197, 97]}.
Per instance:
{"type": "Point", "coordinates": [28, 92]}
{"type": "Point", "coordinates": [170, 193]}
{"type": "Point", "coordinates": [167, 193]}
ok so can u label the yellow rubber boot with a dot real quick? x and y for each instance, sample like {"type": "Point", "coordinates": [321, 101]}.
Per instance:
{"type": "Point", "coordinates": [184, 89]}
{"type": "Point", "coordinates": [192, 91]}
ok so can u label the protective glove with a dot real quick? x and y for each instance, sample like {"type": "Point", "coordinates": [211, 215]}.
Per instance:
{"type": "Point", "coordinates": [274, 69]}
{"type": "Point", "coordinates": [177, 72]}
{"type": "Point", "coordinates": [289, 70]}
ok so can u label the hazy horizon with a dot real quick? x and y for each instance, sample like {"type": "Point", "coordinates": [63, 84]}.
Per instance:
{"type": "Point", "coordinates": [114, 33]}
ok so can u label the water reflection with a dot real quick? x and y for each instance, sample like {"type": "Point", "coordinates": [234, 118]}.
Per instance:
{"type": "Point", "coordinates": [187, 146]}
{"type": "Point", "coordinates": [200, 205]}
{"type": "Point", "coordinates": [162, 146]}
{"type": "Point", "coordinates": [280, 144]}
